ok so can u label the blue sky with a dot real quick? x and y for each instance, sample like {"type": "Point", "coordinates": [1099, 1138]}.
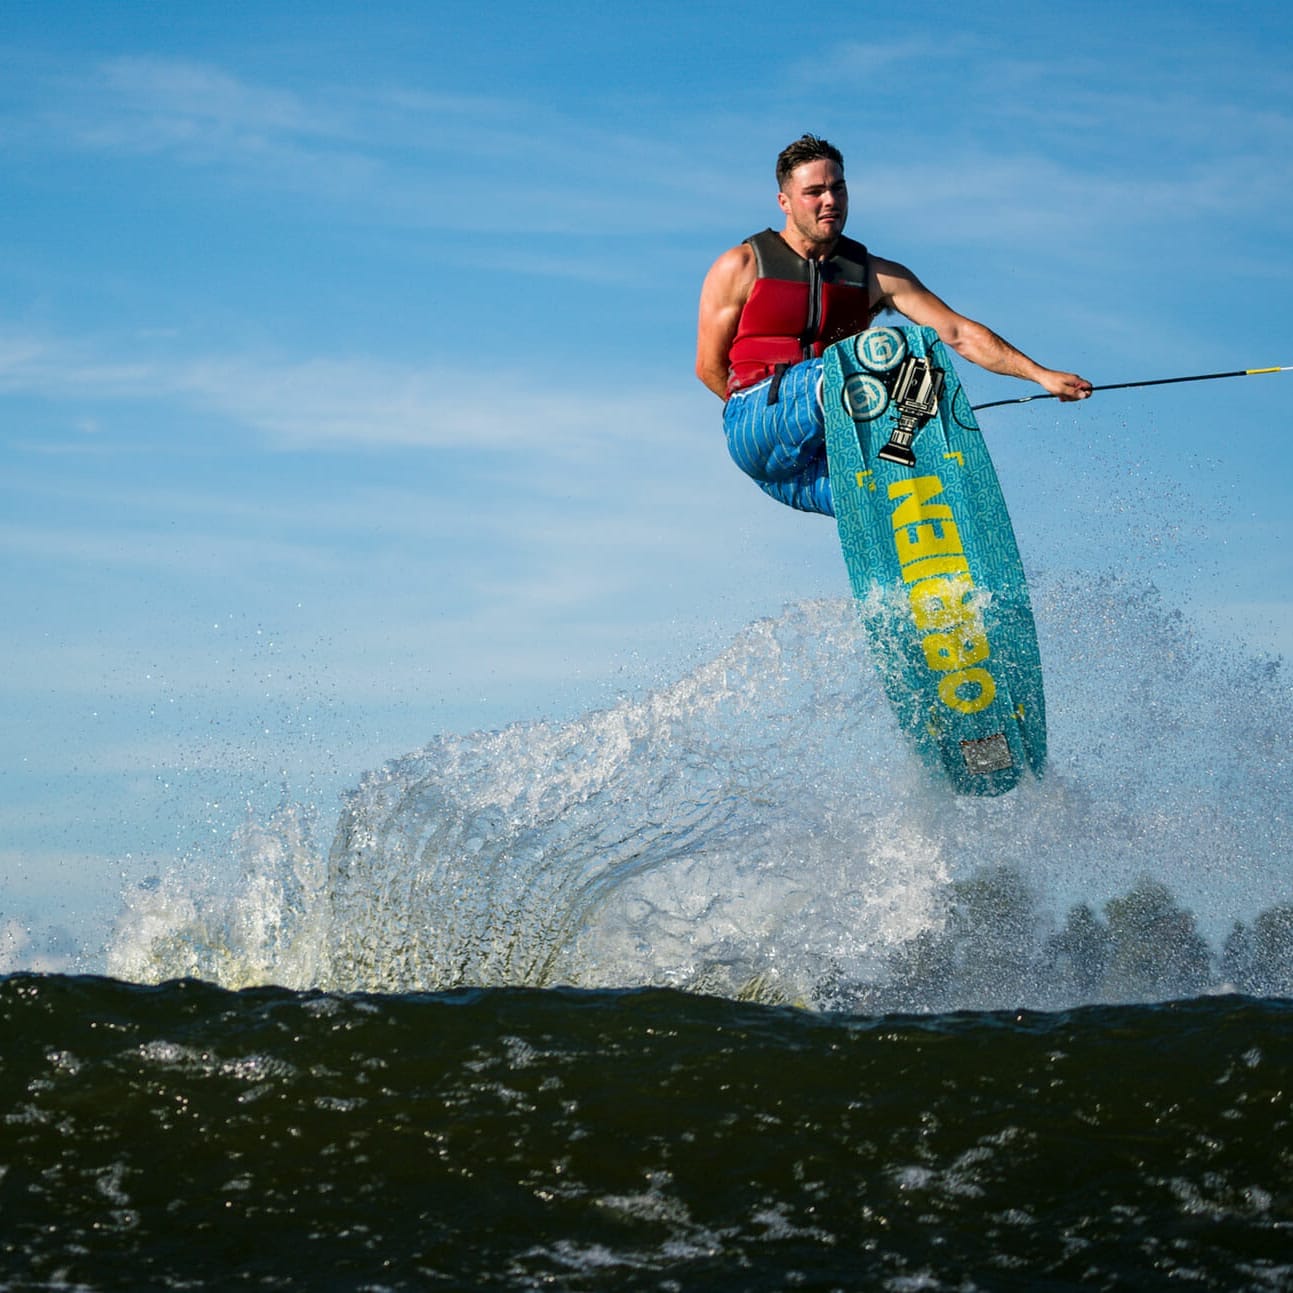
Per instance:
{"type": "Point", "coordinates": [345, 360]}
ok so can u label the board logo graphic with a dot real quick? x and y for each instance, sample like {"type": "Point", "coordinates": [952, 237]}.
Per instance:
{"type": "Point", "coordinates": [881, 349]}
{"type": "Point", "coordinates": [941, 594]}
{"type": "Point", "coordinates": [864, 397]}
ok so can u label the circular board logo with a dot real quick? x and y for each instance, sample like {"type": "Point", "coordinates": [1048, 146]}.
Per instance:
{"type": "Point", "coordinates": [881, 349]}
{"type": "Point", "coordinates": [864, 397]}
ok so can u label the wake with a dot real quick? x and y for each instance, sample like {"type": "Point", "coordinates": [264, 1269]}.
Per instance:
{"type": "Point", "coordinates": [759, 828]}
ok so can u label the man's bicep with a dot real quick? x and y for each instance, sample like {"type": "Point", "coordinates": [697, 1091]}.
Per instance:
{"type": "Point", "coordinates": [714, 337]}
{"type": "Point", "coordinates": [719, 320]}
{"type": "Point", "coordinates": [901, 290]}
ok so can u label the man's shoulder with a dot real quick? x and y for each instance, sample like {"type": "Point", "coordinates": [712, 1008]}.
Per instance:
{"type": "Point", "coordinates": [735, 264]}
{"type": "Point", "coordinates": [743, 252]}
{"type": "Point", "coordinates": [885, 268]}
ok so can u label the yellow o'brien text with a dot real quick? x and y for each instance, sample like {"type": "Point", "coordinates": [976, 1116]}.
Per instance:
{"type": "Point", "coordinates": [939, 589]}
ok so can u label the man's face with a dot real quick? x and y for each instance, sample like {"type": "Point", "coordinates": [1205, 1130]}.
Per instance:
{"type": "Point", "coordinates": [816, 201]}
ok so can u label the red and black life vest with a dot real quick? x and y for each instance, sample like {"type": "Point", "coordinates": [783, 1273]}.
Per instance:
{"type": "Point", "coordinates": [797, 306]}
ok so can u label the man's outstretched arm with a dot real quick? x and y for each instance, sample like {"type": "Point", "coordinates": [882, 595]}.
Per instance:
{"type": "Point", "coordinates": [903, 291]}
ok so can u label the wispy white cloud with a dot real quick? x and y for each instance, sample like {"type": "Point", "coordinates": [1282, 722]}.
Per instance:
{"type": "Point", "coordinates": [396, 155]}
{"type": "Point", "coordinates": [1067, 150]}
{"type": "Point", "coordinates": [347, 401]}
{"type": "Point", "coordinates": [178, 104]}
{"type": "Point", "coordinates": [193, 554]}
{"type": "Point", "coordinates": [472, 163]}
{"type": "Point", "coordinates": [881, 62]}
{"type": "Point", "coordinates": [1035, 201]}
{"type": "Point", "coordinates": [547, 505]}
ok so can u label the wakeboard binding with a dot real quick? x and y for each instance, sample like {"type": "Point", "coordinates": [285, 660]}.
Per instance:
{"type": "Point", "coordinates": [915, 389]}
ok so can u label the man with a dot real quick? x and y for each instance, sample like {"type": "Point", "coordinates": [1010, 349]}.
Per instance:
{"type": "Point", "coordinates": [771, 306]}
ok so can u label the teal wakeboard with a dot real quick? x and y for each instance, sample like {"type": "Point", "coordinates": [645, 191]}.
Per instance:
{"type": "Point", "coordinates": [932, 558]}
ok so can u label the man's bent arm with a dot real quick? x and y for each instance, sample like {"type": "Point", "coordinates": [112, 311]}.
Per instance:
{"type": "Point", "coordinates": [722, 298]}
{"type": "Point", "coordinates": [904, 292]}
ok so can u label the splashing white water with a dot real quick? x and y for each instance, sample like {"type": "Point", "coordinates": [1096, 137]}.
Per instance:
{"type": "Point", "coordinates": [759, 827]}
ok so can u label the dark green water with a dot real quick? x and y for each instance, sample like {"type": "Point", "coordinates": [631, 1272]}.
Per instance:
{"type": "Point", "coordinates": [185, 1136]}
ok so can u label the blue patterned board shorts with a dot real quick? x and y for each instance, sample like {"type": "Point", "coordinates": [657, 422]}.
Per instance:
{"type": "Point", "coordinates": [782, 446]}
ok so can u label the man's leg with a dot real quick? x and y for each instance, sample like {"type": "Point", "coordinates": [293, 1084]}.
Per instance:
{"type": "Point", "coordinates": [776, 434]}
{"type": "Point", "coordinates": [809, 492]}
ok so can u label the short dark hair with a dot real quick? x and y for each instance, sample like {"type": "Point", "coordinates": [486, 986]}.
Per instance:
{"type": "Point", "coordinates": [807, 148]}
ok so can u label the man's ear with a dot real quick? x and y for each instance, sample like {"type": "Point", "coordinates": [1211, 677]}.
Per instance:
{"type": "Point", "coordinates": [783, 202]}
